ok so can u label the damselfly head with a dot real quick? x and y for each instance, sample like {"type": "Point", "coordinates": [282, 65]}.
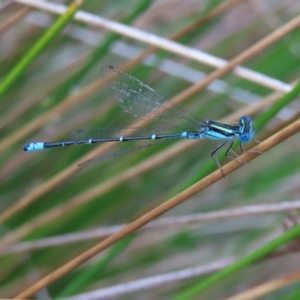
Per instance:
{"type": "Point", "coordinates": [246, 131]}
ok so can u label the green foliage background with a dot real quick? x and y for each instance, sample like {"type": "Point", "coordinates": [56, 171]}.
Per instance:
{"type": "Point", "coordinates": [59, 73]}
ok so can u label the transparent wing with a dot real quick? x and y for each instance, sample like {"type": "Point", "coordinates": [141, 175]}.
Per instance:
{"type": "Point", "coordinates": [141, 101]}
{"type": "Point", "coordinates": [112, 155]}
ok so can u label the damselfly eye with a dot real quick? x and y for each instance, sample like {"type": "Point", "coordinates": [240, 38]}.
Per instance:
{"type": "Point", "coordinates": [245, 137]}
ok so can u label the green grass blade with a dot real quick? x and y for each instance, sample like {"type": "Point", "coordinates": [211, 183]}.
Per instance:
{"type": "Point", "coordinates": [250, 259]}
{"type": "Point", "coordinates": [287, 98]}
{"type": "Point", "coordinates": [294, 296]}
{"type": "Point", "coordinates": [38, 48]}
{"type": "Point", "coordinates": [96, 269]}
{"type": "Point", "coordinates": [97, 54]}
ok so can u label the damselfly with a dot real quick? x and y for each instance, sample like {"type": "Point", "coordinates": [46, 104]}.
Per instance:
{"type": "Point", "coordinates": [141, 101]}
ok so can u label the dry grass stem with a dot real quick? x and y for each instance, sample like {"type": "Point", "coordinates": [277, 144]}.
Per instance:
{"type": "Point", "coordinates": [267, 288]}
{"type": "Point", "coordinates": [182, 50]}
{"type": "Point", "coordinates": [161, 209]}
{"type": "Point", "coordinates": [166, 222]}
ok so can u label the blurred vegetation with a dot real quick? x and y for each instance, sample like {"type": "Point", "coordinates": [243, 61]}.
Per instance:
{"type": "Point", "coordinates": [50, 98]}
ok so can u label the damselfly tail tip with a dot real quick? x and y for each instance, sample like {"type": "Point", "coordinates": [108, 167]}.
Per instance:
{"type": "Point", "coordinates": [34, 147]}
{"type": "Point", "coordinates": [26, 147]}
